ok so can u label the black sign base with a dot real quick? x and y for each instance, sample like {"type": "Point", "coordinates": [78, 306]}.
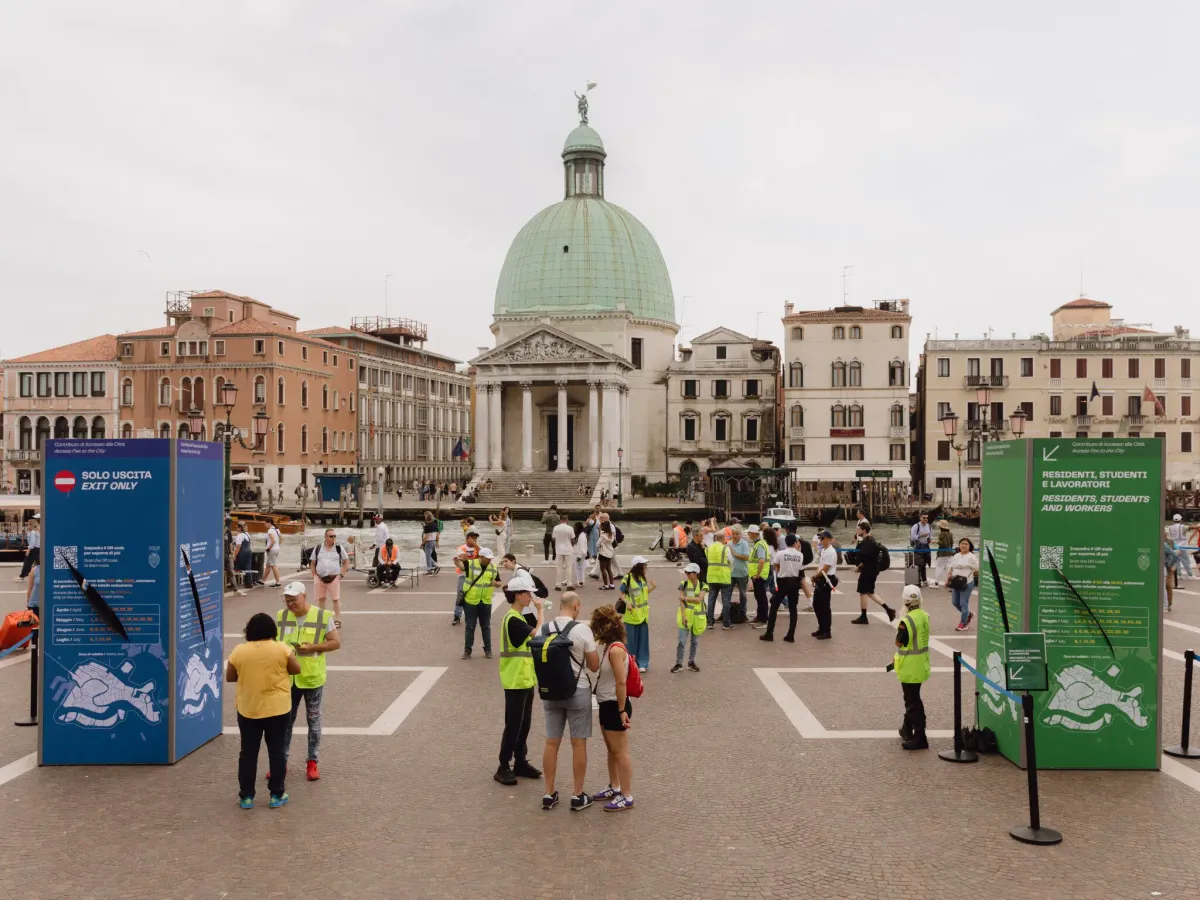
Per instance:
{"type": "Point", "coordinates": [959, 756]}
{"type": "Point", "coordinates": [1028, 835]}
{"type": "Point", "coordinates": [1182, 752]}
{"type": "Point", "coordinates": [28, 720]}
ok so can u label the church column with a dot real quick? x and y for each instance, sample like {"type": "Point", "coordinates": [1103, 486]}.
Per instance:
{"type": "Point", "coordinates": [494, 429]}
{"type": "Point", "coordinates": [562, 426]}
{"type": "Point", "coordinates": [625, 421]}
{"type": "Point", "coordinates": [483, 399]}
{"type": "Point", "coordinates": [526, 426]}
{"type": "Point", "coordinates": [593, 426]}
{"type": "Point", "coordinates": [611, 427]}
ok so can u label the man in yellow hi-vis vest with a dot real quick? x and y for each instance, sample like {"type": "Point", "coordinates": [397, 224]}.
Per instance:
{"type": "Point", "coordinates": [517, 678]}
{"type": "Point", "coordinates": [311, 632]}
{"type": "Point", "coordinates": [720, 579]}
{"type": "Point", "coordinates": [912, 667]}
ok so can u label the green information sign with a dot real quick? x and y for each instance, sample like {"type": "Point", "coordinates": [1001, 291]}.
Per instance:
{"type": "Point", "coordinates": [872, 473]}
{"type": "Point", "coordinates": [1092, 520]}
{"type": "Point", "coordinates": [1025, 661]}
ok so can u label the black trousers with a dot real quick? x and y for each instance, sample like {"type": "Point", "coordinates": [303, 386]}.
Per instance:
{"type": "Point", "coordinates": [253, 731]}
{"type": "Point", "coordinates": [914, 712]}
{"type": "Point", "coordinates": [518, 714]}
{"type": "Point", "coordinates": [787, 591]}
{"type": "Point", "coordinates": [760, 598]}
{"type": "Point", "coordinates": [548, 547]}
{"type": "Point", "coordinates": [822, 593]}
{"type": "Point", "coordinates": [387, 574]}
{"type": "Point", "coordinates": [922, 561]}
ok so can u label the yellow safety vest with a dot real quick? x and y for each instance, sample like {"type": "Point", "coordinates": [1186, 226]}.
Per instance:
{"type": "Point", "coordinates": [516, 663]}
{"type": "Point", "coordinates": [694, 617]}
{"type": "Point", "coordinates": [637, 601]}
{"type": "Point", "coordinates": [479, 581]}
{"type": "Point", "coordinates": [309, 630]}
{"type": "Point", "coordinates": [912, 660]}
{"type": "Point", "coordinates": [720, 561]}
{"type": "Point", "coordinates": [760, 568]}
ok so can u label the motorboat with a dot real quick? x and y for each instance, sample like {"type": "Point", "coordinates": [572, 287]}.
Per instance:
{"type": "Point", "coordinates": [779, 517]}
{"type": "Point", "coordinates": [260, 522]}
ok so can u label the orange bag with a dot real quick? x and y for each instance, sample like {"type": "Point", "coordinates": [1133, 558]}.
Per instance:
{"type": "Point", "coordinates": [16, 627]}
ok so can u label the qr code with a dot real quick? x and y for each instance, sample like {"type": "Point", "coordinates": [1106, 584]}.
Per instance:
{"type": "Point", "coordinates": [70, 553]}
{"type": "Point", "coordinates": [1050, 558]}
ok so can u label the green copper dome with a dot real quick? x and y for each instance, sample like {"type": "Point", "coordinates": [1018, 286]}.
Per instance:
{"type": "Point", "coordinates": [585, 254]}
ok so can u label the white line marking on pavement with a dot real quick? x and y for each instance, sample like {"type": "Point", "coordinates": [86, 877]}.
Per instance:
{"type": "Point", "coordinates": [1171, 654]}
{"type": "Point", "coordinates": [1181, 773]}
{"type": "Point", "coordinates": [21, 656]}
{"type": "Point", "coordinates": [793, 707]}
{"type": "Point", "coordinates": [393, 717]}
{"type": "Point", "coordinates": [303, 729]}
{"type": "Point", "coordinates": [1181, 625]}
{"type": "Point", "coordinates": [12, 592]}
{"type": "Point", "coordinates": [18, 768]}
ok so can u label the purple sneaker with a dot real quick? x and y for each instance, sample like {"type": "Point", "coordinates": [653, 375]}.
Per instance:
{"type": "Point", "coordinates": [607, 794]}
{"type": "Point", "coordinates": [619, 802]}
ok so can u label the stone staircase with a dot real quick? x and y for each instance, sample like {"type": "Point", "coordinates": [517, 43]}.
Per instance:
{"type": "Point", "coordinates": [566, 488]}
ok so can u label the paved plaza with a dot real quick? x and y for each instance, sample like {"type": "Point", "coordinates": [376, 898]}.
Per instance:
{"type": "Point", "coordinates": [774, 772]}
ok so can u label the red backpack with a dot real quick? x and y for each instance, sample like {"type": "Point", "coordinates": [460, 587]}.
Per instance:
{"type": "Point", "coordinates": [633, 678]}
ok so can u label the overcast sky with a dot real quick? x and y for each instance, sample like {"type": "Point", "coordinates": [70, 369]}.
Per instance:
{"type": "Point", "coordinates": [972, 159]}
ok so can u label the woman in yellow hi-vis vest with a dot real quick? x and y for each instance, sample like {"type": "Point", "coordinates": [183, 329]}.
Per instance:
{"type": "Point", "coordinates": [691, 617]}
{"type": "Point", "coordinates": [912, 667]}
{"type": "Point", "coordinates": [637, 592]}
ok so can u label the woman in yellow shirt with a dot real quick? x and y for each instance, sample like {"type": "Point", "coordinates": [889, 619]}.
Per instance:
{"type": "Point", "coordinates": [262, 668]}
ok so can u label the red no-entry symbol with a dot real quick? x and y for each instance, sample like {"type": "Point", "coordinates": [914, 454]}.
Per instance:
{"type": "Point", "coordinates": [64, 481]}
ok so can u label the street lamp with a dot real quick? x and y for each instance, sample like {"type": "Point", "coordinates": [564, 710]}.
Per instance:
{"type": "Point", "coordinates": [981, 429]}
{"type": "Point", "coordinates": [620, 479]}
{"type": "Point", "coordinates": [950, 427]}
{"type": "Point", "coordinates": [195, 420]}
{"type": "Point", "coordinates": [1017, 420]}
{"type": "Point", "coordinates": [231, 433]}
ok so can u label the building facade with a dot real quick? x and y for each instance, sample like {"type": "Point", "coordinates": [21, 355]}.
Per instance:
{"type": "Point", "coordinates": [414, 415]}
{"type": "Point", "coordinates": [721, 403]}
{"type": "Point", "coordinates": [304, 384]}
{"type": "Point", "coordinates": [65, 392]}
{"type": "Point", "coordinates": [845, 394]}
{"type": "Point", "coordinates": [1092, 376]}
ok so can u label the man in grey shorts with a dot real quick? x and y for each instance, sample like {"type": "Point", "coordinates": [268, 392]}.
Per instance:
{"type": "Point", "coordinates": [575, 713]}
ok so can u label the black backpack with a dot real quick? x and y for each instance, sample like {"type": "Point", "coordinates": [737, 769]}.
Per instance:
{"type": "Point", "coordinates": [540, 589]}
{"type": "Point", "coordinates": [805, 550]}
{"type": "Point", "coordinates": [617, 536]}
{"type": "Point", "coordinates": [553, 663]}
{"type": "Point", "coordinates": [885, 559]}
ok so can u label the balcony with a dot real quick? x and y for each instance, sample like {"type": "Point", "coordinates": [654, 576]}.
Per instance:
{"type": "Point", "coordinates": [796, 431]}
{"type": "Point", "coordinates": [23, 456]}
{"type": "Point", "coordinates": [1160, 384]}
{"type": "Point", "coordinates": [1082, 421]}
{"type": "Point", "coordinates": [977, 381]}
{"type": "Point", "coordinates": [972, 463]}
{"type": "Point", "coordinates": [897, 431]}
{"type": "Point", "coordinates": [1134, 420]}
{"type": "Point", "coordinates": [1055, 383]}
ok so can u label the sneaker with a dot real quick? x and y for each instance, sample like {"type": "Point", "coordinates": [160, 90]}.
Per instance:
{"type": "Point", "coordinates": [807, 609]}
{"type": "Point", "coordinates": [961, 626]}
{"type": "Point", "coordinates": [313, 773]}
{"type": "Point", "coordinates": [727, 627]}
{"type": "Point", "coordinates": [891, 613]}
{"type": "Point", "coordinates": [822, 636]}
{"type": "Point", "coordinates": [607, 794]}
{"type": "Point", "coordinates": [487, 654]}
{"type": "Point", "coordinates": [246, 803]}
{"type": "Point", "coordinates": [693, 667]}
{"type": "Point", "coordinates": [583, 801]}
{"type": "Point", "coordinates": [790, 639]}
{"type": "Point", "coordinates": [914, 744]}
{"type": "Point", "coordinates": [277, 800]}
{"type": "Point", "coordinates": [643, 669]}
{"type": "Point", "coordinates": [861, 620]}
{"type": "Point", "coordinates": [765, 637]}
{"type": "Point", "coordinates": [970, 618]}
{"type": "Point", "coordinates": [618, 803]}
{"type": "Point", "coordinates": [549, 801]}
{"type": "Point", "coordinates": [678, 667]}
{"type": "Point", "coordinates": [456, 621]}
{"type": "Point", "coordinates": [758, 625]}
{"type": "Point", "coordinates": [466, 654]}
{"type": "Point", "coordinates": [524, 769]}
{"type": "Point", "coordinates": [505, 776]}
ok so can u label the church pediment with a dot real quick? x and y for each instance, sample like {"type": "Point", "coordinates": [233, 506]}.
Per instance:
{"type": "Point", "coordinates": [546, 345]}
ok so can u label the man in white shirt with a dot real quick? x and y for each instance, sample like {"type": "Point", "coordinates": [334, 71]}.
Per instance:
{"type": "Point", "coordinates": [1178, 533]}
{"type": "Point", "coordinates": [273, 542]}
{"type": "Point", "coordinates": [381, 536]}
{"type": "Point", "coordinates": [329, 563]}
{"type": "Point", "coordinates": [823, 584]}
{"type": "Point", "coordinates": [789, 569]}
{"type": "Point", "coordinates": [564, 549]}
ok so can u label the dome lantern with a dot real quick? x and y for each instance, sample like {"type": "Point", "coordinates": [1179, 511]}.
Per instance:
{"type": "Point", "coordinates": [583, 163]}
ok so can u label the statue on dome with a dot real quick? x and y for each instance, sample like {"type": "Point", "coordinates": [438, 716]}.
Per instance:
{"type": "Point", "coordinates": [583, 103]}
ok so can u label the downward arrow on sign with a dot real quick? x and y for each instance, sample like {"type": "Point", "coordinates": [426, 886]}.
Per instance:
{"type": "Point", "coordinates": [1015, 673]}
{"type": "Point", "coordinates": [1048, 455]}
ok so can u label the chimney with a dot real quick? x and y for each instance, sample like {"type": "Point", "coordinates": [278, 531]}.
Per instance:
{"type": "Point", "coordinates": [788, 307]}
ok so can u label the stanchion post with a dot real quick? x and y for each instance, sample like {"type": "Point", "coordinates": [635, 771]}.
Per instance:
{"type": "Point", "coordinates": [959, 754]}
{"type": "Point", "coordinates": [1182, 749]}
{"type": "Point", "coordinates": [1033, 833]}
{"type": "Point", "coordinates": [32, 718]}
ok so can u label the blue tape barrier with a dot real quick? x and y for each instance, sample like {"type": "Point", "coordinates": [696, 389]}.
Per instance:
{"type": "Point", "coordinates": [18, 645]}
{"type": "Point", "coordinates": [1009, 694]}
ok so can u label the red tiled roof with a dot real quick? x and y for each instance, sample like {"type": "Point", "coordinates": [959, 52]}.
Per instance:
{"type": "Point", "coordinates": [1085, 303]}
{"type": "Point", "coordinates": [151, 332]}
{"type": "Point", "coordinates": [97, 349]}
{"type": "Point", "coordinates": [225, 295]}
{"type": "Point", "coordinates": [1113, 330]}
{"type": "Point", "coordinates": [247, 327]}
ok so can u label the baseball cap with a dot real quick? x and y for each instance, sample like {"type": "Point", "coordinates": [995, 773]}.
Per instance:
{"type": "Point", "coordinates": [692, 567]}
{"type": "Point", "coordinates": [293, 589]}
{"type": "Point", "coordinates": [911, 595]}
{"type": "Point", "coordinates": [1177, 517]}
{"type": "Point", "coordinates": [825, 533]}
{"type": "Point", "coordinates": [487, 553]}
{"type": "Point", "coordinates": [520, 583]}
{"type": "Point", "coordinates": [753, 529]}
{"type": "Point", "coordinates": [638, 560]}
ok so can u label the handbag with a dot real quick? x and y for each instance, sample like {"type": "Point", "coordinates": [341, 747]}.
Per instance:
{"type": "Point", "coordinates": [958, 582]}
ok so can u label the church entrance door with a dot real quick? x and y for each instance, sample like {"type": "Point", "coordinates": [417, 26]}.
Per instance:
{"type": "Point", "coordinates": [552, 440]}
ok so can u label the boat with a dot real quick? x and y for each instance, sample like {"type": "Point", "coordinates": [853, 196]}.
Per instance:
{"type": "Point", "coordinates": [259, 523]}
{"type": "Point", "coordinates": [15, 511]}
{"type": "Point", "coordinates": [779, 517]}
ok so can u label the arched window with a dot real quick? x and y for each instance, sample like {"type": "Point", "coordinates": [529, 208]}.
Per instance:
{"type": "Point", "coordinates": [79, 428]}
{"type": "Point", "coordinates": [896, 373]}
{"type": "Point", "coordinates": [164, 392]}
{"type": "Point", "coordinates": [43, 431]}
{"type": "Point", "coordinates": [279, 438]}
{"type": "Point", "coordinates": [25, 432]}
{"type": "Point", "coordinates": [897, 416]}
{"type": "Point", "coordinates": [335, 401]}
{"type": "Point", "coordinates": [304, 394]}
{"type": "Point", "coordinates": [185, 394]}
{"type": "Point", "coordinates": [164, 430]}
{"type": "Point", "coordinates": [184, 434]}
{"type": "Point", "coordinates": [197, 393]}
{"type": "Point", "coordinates": [855, 333]}
{"type": "Point", "coordinates": [62, 429]}
{"type": "Point", "coordinates": [127, 392]}
{"type": "Point", "coordinates": [352, 442]}
{"type": "Point", "coordinates": [897, 331]}
{"type": "Point", "coordinates": [837, 416]}
{"type": "Point", "coordinates": [324, 396]}
{"type": "Point", "coordinates": [856, 416]}
{"type": "Point", "coordinates": [856, 374]}
{"type": "Point", "coordinates": [324, 439]}
{"type": "Point", "coordinates": [127, 431]}
{"type": "Point", "coordinates": [796, 375]}
{"type": "Point", "coordinates": [218, 431]}
{"type": "Point", "coordinates": [839, 333]}
{"type": "Point", "coordinates": [218, 385]}
{"type": "Point", "coordinates": [797, 333]}
{"type": "Point", "coordinates": [352, 402]}
{"type": "Point", "coordinates": [279, 391]}
{"type": "Point", "coordinates": [260, 389]}
{"type": "Point", "coordinates": [98, 428]}
{"type": "Point", "coordinates": [303, 438]}
{"type": "Point", "coordinates": [797, 416]}
{"type": "Point", "coordinates": [839, 374]}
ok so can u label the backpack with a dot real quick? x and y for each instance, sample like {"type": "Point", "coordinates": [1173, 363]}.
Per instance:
{"type": "Point", "coordinates": [805, 550]}
{"type": "Point", "coordinates": [540, 589]}
{"type": "Point", "coordinates": [633, 678]}
{"type": "Point", "coordinates": [553, 663]}
{"type": "Point", "coordinates": [617, 536]}
{"type": "Point", "coordinates": [885, 559]}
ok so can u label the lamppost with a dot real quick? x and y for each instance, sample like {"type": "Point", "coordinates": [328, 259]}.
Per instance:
{"type": "Point", "coordinates": [980, 430]}
{"type": "Point", "coordinates": [232, 433]}
{"type": "Point", "coordinates": [195, 419]}
{"type": "Point", "coordinates": [620, 479]}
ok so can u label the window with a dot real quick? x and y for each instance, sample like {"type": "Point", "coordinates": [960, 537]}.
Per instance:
{"type": "Point", "coordinates": [352, 369]}
{"type": "Point", "coordinates": [98, 388]}
{"type": "Point", "coordinates": [942, 482]}
{"type": "Point", "coordinates": [304, 394]}
{"type": "Point", "coordinates": [839, 334]}
{"type": "Point", "coordinates": [127, 392]}
{"type": "Point", "coordinates": [61, 384]}
{"type": "Point", "coordinates": [325, 357]}
{"type": "Point", "coordinates": [943, 410]}
{"type": "Point", "coordinates": [335, 356]}
{"type": "Point", "coordinates": [1082, 434]}
{"type": "Point", "coordinates": [996, 367]}
{"type": "Point", "coordinates": [1185, 442]}
{"type": "Point", "coordinates": [260, 389]}
{"type": "Point", "coordinates": [1056, 404]}
{"type": "Point", "coordinates": [896, 452]}
{"type": "Point", "coordinates": [1081, 404]}
{"type": "Point", "coordinates": [1108, 434]}
{"type": "Point", "coordinates": [943, 450]}
{"type": "Point", "coordinates": [797, 416]}
{"type": "Point", "coordinates": [1026, 366]}
{"type": "Point", "coordinates": [897, 332]}
{"type": "Point", "coordinates": [796, 375]}
{"type": "Point", "coordinates": [973, 367]}
{"type": "Point", "coordinates": [1185, 405]}
{"type": "Point", "coordinates": [1185, 368]}
{"type": "Point", "coordinates": [691, 387]}
{"type": "Point", "coordinates": [219, 348]}
{"type": "Point", "coordinates": [750, 388]}
{"type": "Point", "coordinates": [837, 416]}
{"type": "Point", "coordinates": [279, 391]}
{"type": "Point", "coordinates": [164, 392]}
{"type": "Point", "coordinates": [79, 428]}
{"type": "Point", "coordinates": [185, 394]}
{"type": "Point", "coordinates": [855, 419]}
{"type": "Point", "coordinates": [1135, 367]}
{"type": "Point", "coordinates": [1161, 435]}
{"type": "Point", "coordinates": [1081, 368]}
{"type": "Point", "coordinates": [1106, 367]}
{"type": "Point", "coordinates": [721, 429]}
{"type": "Point", "coordinates": [98, 429]}
{"type": "Point", "coordinates": [260, 346]}
{"type": "Point", "coordinates": [720, 388]}
{"type": "Point", "coordinates": [839, 374]}
{"type": "Point", "coordinates": [127, 349]}
{"type": "Point", "coordinates": [795, 453]}
{"type": "Point", "coordinates": [304, 353]}
{"type": "Point", "coordinates": [897, 416]}
{"type": "Point", "coordinates": [1058, 434]}
{"type": "Point", "coordinates": [856, 374]}
{"type": "Point", "coordinates": [1160, 368]}
{"type": "Point", "coordinates": [279, 439]}
{"type": "Point", "coordinates": [722, 352]}
{"type": "Point", "coordinates": [896, 374]}
{"type": "Point", "coordinates": [1106, 405]}
{"type": "Point", "coordinates": [689, 428]}
{"type": "Point", "coordinates": [857, 452]}
{"type": "Point", "coordinates": [26, 379]}
{"type": "Point", "coordinates": [943, 367]}
{"type": "Point", "coordinates": [127, 430]}
{"type": "Point", "coordinates": [635, 352]}
{"type": "Point", "coordinates": [164, 430]}
{"type": "Point", "coordinates": [837, 452]}
{"type": "Point", "coordinates": [79, 384]}
{"type": "Point", "coordinates": [1133, 405]}
{"type": "Point", "coordinates": [855, 333]}
{"type": "Point", "coordinates": [352, 404]}
{"type": "Point", "coordinates": [752, 428]}
{"type": "Point", "coordinates": [324, 439]}
{"type": "Point", "coordinates": [303, 438]}
{"type": "Point", "coordinates": [280, 347]}
{"type": "Point", "coordinates": [1056, 368]}
{"type": "Point", "coordinates": [797, 333]}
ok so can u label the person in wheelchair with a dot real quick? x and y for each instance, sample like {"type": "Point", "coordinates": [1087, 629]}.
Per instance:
{"type": "Point", "coordinates": [388, 568]}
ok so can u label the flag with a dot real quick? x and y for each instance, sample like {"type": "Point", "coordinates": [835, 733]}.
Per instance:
{"type": "Point", "coordinates": [458, 450]}
{"type": "Point", "coordinates": [1095, 392]}
{"type": "Point", "coordinates": [1158, 406]}
{"type": "Point", "coordinates": [590, 85]}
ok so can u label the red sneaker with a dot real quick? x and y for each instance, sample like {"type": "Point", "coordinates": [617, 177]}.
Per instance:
{"type": "Point", "coordinates": [313, 774]}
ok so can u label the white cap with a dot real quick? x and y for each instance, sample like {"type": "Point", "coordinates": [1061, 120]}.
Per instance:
{"type": "Point", "coordinates": [487, 553]}
{"type": "Point", "coordinates": [520, 583]}
{"type": "Point", "coordinates": [638, 560]}
{"type": "Point", "coordinates": [753, 529]}
{"type": "Point", "coordinates": [1177, 517]}
{"type": "Point", "coordinates": [293, 589]}
{"type": "Point", "coordinates": [911, 596]}
{"type": "Point", "coordinates": [692, 568]}
{"type": "Point", "coordinates": [39, 515]}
